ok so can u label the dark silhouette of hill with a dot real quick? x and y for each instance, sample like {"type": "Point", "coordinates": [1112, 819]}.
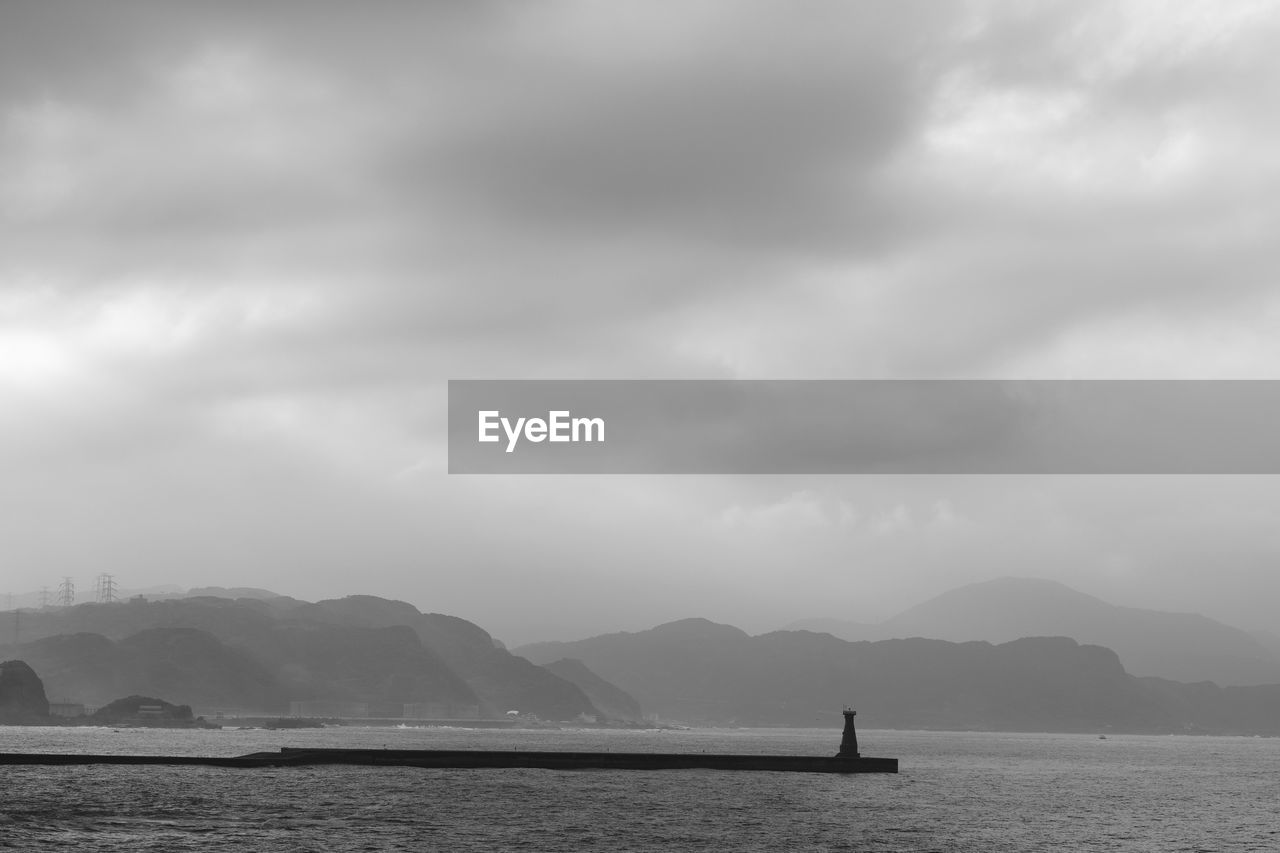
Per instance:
{"type": "Point", "coordinates": [614, 702]}
{"type": "Point", "coordinates": [700, 672]}
{"type": "Point", "coordinates": [1177, 646]}
{"type": "Point", "coordinates": [22, 695]}
{"type": "Point", "coordinates": [147, 709]}
{"type": "Point", "coordinates": [280, 649]}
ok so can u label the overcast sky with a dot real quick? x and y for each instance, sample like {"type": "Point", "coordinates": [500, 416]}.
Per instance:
{"type": "Point", "coordinates": [243, 248]}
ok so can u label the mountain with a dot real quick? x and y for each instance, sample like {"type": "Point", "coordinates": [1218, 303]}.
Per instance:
{"type": "Point", "coordinates": [613, 701]}
{"type": "Point", "coordinates": [233, 592]}
{"type": "Point", "coordinates": [1176, 646]}
{"type": "Point", "coordinates": [260, 654]}
{"type": "Point", "coordinates": [700, 672]}
{"type": "Point", "coordinates": [503, 681]}
{"type": "Point", "coordinates": [178, 662]}
{"type": "Point", "coordinates": [845, 629]}
{"type": "Point", "coordinates": [664, 668]}
{"type": "Point", "coordinates": [147, 710]}
{"type": "Point", "coordinates": [22, 696]}
{"type": "Point", "coordinates": [36, 599]}
{"type": "Point", "coordinates": [1268, 640]}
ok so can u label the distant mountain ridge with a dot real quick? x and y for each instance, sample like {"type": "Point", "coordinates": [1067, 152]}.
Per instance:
{"type": "Point", "coordinates": [37, 599]}
{"type": "Point", "coordinates": [609, 698]}
{"type": "Point", "coordinates": [697, 671]}
{"type": "Point", "coordinates": [1178, 646]}
{"type": "Point", "coordinates": [262, 653]}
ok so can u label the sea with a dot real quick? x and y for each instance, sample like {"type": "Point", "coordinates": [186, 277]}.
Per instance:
{"type": "Point", "coordinates": [957, 791]}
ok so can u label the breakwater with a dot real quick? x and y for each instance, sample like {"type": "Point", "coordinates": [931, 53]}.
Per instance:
{"type": "Point", "coordinates": [484, 758]}
{"type": "Point", "coordinates": [847, 760]}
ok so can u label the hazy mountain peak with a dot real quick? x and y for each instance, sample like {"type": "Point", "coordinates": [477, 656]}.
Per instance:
{"type": "Point", "coordinates": [1033, 605]}
{"type": "Point", "coordinates": [234, 592]}
{"type": "Point", "coordinates": [1180, 646]}
{"type": "Point", "coordinates": [1183, 646]}
{"type": "Point", "coordinates": [696, 627]}
{"type": "Point", "coordinates": [371, 609]}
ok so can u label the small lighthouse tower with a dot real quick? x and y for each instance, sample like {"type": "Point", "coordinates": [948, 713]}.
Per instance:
{"type": "Point", "coordinates": [849, 740]}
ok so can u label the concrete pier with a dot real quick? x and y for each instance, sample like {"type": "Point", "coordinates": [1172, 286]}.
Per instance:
{"type": "Point", "coordinates": [848, 760]}
{"type": "Point", "coordinates": [483, 758]}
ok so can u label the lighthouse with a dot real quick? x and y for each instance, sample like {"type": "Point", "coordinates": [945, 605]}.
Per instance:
{"type": "Point", "coordinates": [849, 741]}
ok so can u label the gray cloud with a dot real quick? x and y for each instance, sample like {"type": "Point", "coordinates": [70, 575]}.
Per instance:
{"type": "Point", "coordinates": [243, 246]}
{"type": "Point", "coordinates": [764, 142]}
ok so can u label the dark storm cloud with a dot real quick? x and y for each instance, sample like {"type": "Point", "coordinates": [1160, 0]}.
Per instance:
{"type": "Point", "coordinates": [571, 164]}
{"type": "Point", "coordinates": [761, 136]}
{"type": "Point", "coordinates": [763, 130]}
{"type": "Point", "coordinates": [83, 48]}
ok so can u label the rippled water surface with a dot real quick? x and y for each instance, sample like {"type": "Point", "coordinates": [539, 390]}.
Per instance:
{"type": "Point", "coordinates": [956, 792]}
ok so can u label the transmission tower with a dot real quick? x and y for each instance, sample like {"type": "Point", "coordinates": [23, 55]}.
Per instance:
{"type": "Point", "coordinates": [67, 592]}
{"type": "Point", "coordinates": [44, 597]}
{"type": "Point", "coordinates": [105, 588]}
